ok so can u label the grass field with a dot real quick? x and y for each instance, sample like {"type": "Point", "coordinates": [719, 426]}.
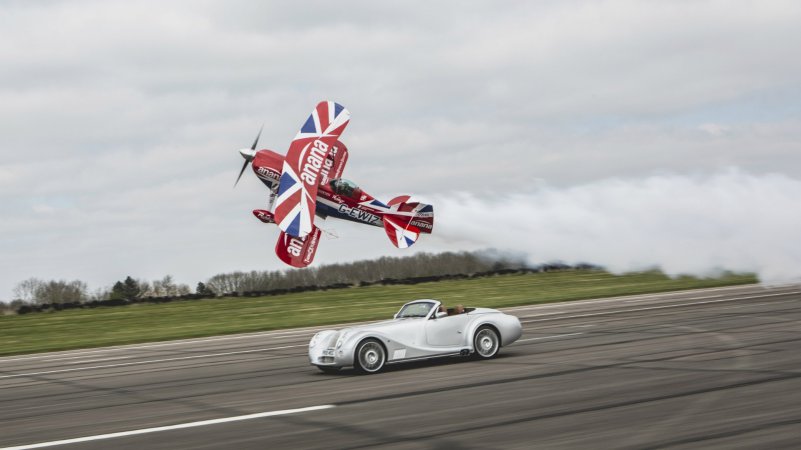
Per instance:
{"type": "Point", "coordinates": [185, 319]}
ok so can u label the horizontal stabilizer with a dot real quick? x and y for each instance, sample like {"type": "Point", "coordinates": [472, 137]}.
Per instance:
{"type": "Point", "coordinates": [423, 216]}
{"type": "Point", "coordinates": [264, 215]}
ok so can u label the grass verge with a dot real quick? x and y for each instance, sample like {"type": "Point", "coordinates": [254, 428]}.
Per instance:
{"type": "Point", "coordinates": [100, 327]}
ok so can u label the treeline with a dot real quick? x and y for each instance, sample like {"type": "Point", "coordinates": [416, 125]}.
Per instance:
{"type": "Point", "coordinates": [39, 292]}
{"type": "Point", "coordinates": [360, 272]}
{"type": "Point", "coordinates": [34, 295]}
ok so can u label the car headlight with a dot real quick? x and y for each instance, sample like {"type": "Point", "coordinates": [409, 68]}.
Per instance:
{"type": "Point", "coordinates": [313, 341]}
{"type": "Point", "coordinates": [341, 339]}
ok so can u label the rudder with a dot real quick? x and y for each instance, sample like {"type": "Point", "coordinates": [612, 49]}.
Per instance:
{"type": "Point", "coordinates": [407, 221]}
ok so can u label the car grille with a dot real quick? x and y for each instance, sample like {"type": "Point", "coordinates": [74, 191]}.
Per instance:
{"type": "Point", "coordinates": [326, 360]}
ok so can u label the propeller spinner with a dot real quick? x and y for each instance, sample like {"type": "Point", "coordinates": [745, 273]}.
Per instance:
{"type": "Point", "coordinates": [248, 154]}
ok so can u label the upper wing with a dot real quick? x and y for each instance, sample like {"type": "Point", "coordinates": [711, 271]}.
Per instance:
{"type": "Point", "coordinates": [337, 158]}
{"type": "Point", "coordinates": [307, 163]}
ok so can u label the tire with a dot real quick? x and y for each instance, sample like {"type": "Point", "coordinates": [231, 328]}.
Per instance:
{"type": "Point", "coordinates": [486, 342]}
{"type": "Point", "coordinates": [325, 369]}
{"type": "Point", "coordinates": [370, 356]}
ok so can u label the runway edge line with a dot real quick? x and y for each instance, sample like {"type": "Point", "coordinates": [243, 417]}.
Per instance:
{"type": "Point", "coordinates": [169, 427]}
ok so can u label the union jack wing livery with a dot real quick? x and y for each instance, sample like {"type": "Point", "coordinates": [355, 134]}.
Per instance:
{"type": "Point", "coordinates": [307, 163]}
{"type": "Point", "coordinates": [401, 235]}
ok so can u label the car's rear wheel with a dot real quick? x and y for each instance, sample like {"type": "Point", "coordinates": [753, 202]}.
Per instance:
{"type": "Point", "coordinates": [486, 342]}
{"type": "Point", "coordinates": [370, 356]}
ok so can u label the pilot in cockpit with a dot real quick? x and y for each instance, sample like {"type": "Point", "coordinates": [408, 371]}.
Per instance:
{"type": "Point", "coordinates": [343, 187]}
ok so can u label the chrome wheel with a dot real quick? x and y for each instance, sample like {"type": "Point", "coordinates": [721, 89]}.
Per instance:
{"type": "Point", "coordinates": [370, 356]}
{"type": "Point", "coordinates": [486, 342]}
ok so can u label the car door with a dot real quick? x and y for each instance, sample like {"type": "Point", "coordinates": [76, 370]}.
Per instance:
{"type": "Point", "coordinates": [446, 331]}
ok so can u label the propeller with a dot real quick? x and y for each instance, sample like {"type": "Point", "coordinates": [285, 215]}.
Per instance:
{"type": "Point", "coordinates": [248, 155]}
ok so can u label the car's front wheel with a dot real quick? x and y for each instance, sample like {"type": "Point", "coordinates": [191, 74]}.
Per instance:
{"type": "Point", "coordinates": [486, 342]}
{"type": "Point", "coordinates": [370, 356]}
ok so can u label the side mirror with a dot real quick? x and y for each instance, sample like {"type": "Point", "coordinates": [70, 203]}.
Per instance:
{"type": "Point", "coordinates": [440, 314]}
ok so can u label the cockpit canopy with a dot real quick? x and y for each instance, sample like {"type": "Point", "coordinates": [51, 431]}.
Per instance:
{"type": "Point", "coordinates": [343, 187]}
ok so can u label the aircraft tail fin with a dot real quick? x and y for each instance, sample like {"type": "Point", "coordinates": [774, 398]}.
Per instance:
{"type": "Point", "coordinates": [407, 221]}
{"type": "Point", "coordinates": [416, 214]}
{"type": "Point", "coordinates": [402, 235]}
{"type": "Point", "coordinates": [398, 200]}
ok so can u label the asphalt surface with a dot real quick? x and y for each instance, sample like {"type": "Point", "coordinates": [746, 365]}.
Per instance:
{"type": "Point", "coordinates": [716, 368]}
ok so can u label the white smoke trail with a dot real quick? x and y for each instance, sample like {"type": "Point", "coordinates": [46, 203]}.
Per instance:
{"type": "Point", "coordinates": [681, 224]}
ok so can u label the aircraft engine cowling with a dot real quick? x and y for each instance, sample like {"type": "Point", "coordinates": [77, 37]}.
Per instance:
{"type": "Point", "coordinates": [267, 166]}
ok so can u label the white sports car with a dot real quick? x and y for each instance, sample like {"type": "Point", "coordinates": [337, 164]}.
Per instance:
{"type": "Point", "coordinates": [421, 329]}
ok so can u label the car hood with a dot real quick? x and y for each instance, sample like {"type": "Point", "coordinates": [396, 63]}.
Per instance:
{"type": "Point", "coordinates": [383, 326]}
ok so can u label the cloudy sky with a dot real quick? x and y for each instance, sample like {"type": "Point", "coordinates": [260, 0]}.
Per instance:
{"type": "Point", "coordinates": [629, 134]}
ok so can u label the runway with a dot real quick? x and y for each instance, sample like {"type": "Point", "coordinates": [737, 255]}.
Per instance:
{"type": "Point", "coordinates": [714, 368]}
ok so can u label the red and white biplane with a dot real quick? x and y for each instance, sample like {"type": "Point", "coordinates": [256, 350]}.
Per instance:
{"type": "Point", "coordinates": [308, 182]}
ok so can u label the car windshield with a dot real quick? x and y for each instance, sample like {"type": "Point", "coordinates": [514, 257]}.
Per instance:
{"type": "Point", "coordinates": [415, 310]}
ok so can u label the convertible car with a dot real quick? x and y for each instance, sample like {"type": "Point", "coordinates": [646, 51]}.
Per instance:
{"type": "Point", "coordinates": [421, 329]}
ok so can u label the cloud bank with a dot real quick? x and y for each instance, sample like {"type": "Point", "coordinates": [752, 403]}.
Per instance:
{"type": "Point", "coordinates": [681, 224]}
